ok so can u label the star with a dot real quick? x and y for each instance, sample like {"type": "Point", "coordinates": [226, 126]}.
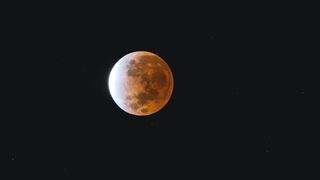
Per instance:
{"type": "Point", "coordinates": [269, 137]}
{"type": "Point", "coordinates": [65, 170]}
{"type": "Point", "coordinates": [236, 91]}
{"type": "Point", "coordinates": [300, 91]}
{"type": "Point", "coordinates": [12, 156]}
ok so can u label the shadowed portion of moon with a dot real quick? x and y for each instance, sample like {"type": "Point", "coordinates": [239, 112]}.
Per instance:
{"type": "Point", "coordinates": [148, 83]}
{"type": "Point", "coordinates": [152, 77]}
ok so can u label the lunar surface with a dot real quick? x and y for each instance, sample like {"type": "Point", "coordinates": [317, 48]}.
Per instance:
{"type": "Point", "coordinates": [141, 83]}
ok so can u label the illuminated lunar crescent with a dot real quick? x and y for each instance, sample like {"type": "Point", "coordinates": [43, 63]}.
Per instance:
{"type": "Point", "coordinates": [141, 83]}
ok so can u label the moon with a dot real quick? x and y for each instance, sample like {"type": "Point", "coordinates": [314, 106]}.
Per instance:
{"type": "Point", "coordinates": [141, 83]}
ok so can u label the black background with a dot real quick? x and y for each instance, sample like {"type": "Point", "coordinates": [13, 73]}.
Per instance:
{"type": "Point", "coordinates": [239, 106]}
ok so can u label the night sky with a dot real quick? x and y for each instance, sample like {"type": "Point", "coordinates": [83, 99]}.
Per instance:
{"type": "Point", "coordinates": [238, 108]}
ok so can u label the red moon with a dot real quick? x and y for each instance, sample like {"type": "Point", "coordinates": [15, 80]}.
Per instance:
{"type": "Point", "coordinates": [141, 83]}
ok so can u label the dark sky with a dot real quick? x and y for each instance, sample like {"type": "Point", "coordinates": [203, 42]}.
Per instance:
{"type": "Point", "coordinates": [239, 99]}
